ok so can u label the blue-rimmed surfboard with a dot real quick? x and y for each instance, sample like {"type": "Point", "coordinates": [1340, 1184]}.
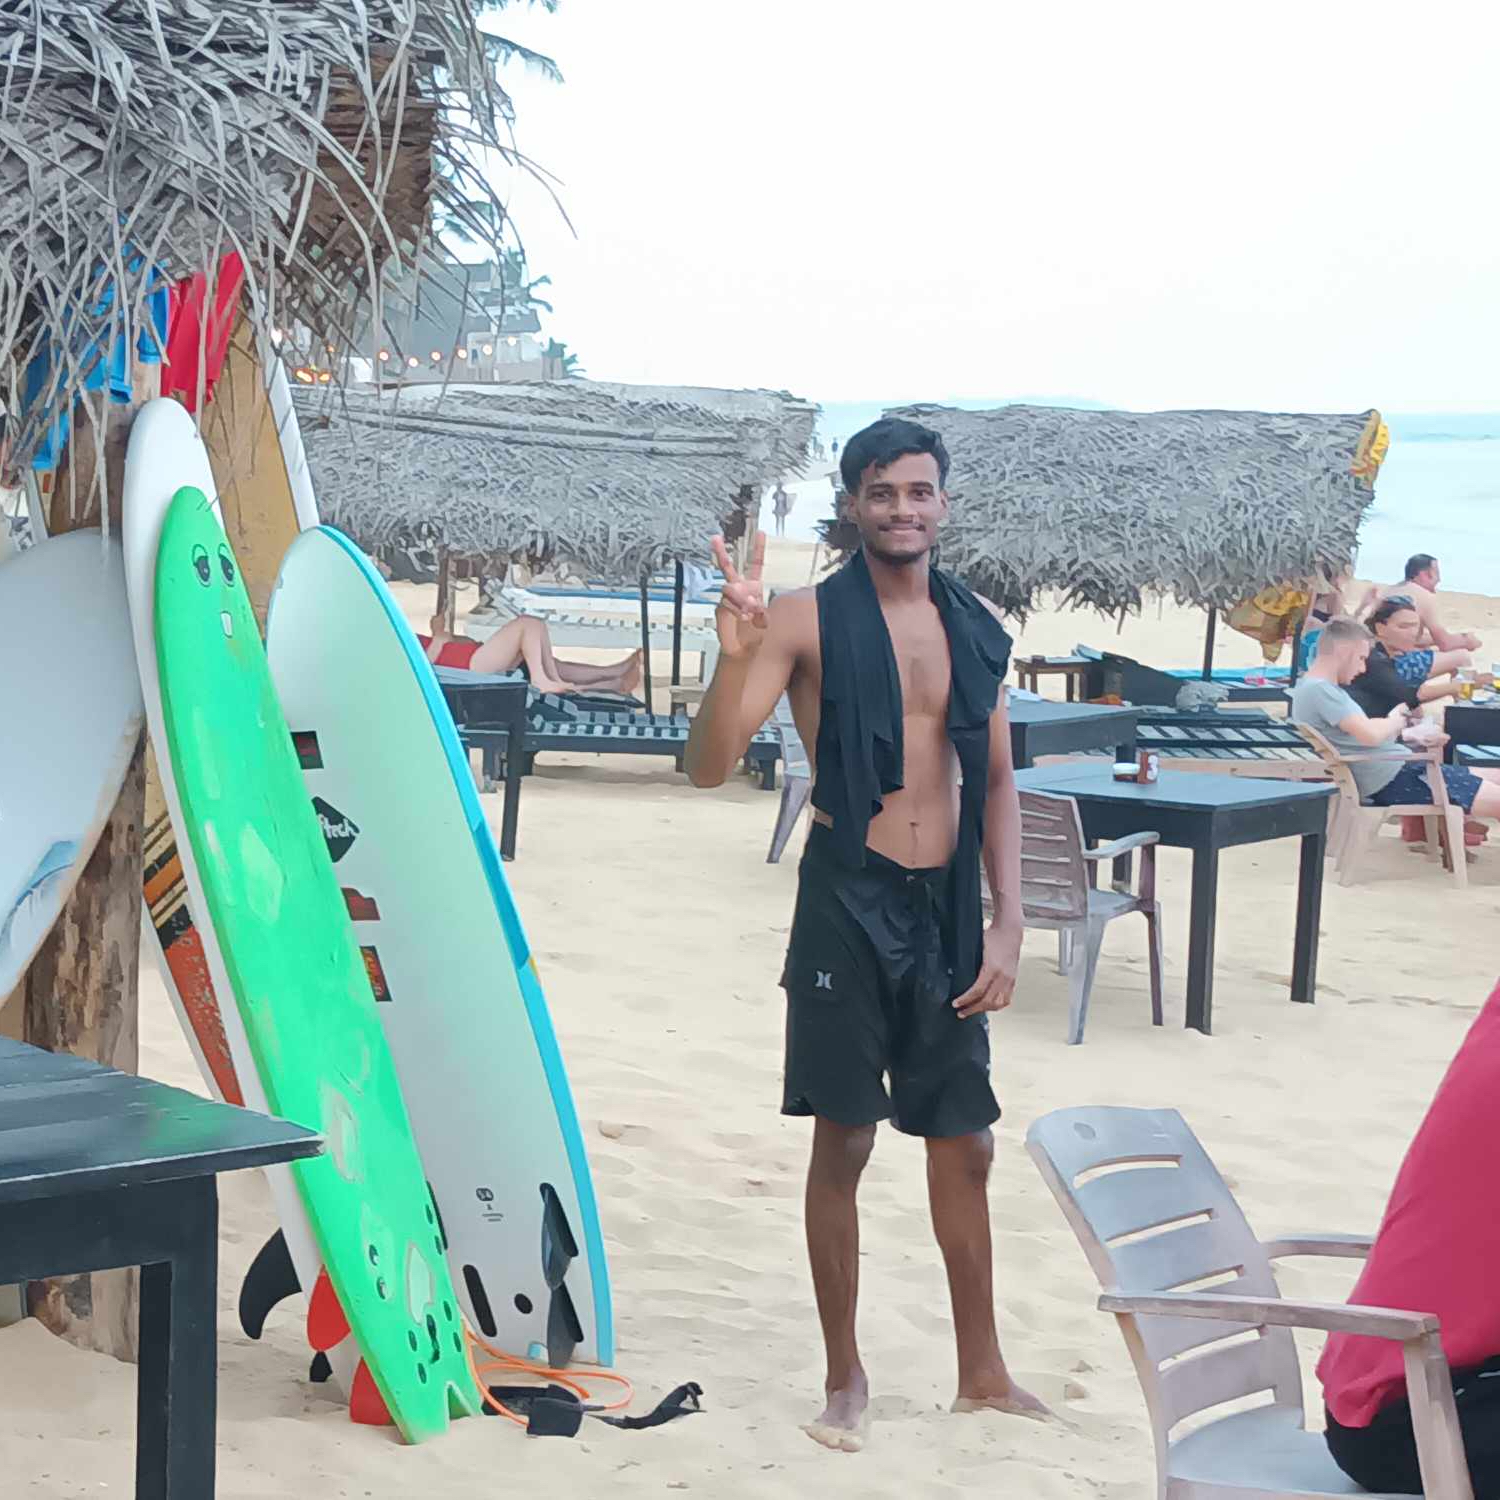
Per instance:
{"type": "Point", "coordinates": [459, 993]}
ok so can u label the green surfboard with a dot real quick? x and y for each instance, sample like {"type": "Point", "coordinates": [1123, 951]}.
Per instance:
{"type": "Point", "coordinates": [299, 981]}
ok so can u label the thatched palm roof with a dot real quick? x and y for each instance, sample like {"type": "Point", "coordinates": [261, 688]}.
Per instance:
{"type": "Point", "coordinates": [1209, 507]}
{"type": "Point", "coordinates": [312, 136]}
{"type": "Point", "coordinates": [614, 479]}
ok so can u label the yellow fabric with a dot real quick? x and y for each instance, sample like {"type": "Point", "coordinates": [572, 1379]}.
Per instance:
{"type": "Point", "coordinates": [1374, 444]}
{"type": "Point", "coordinates": [1271, 617]}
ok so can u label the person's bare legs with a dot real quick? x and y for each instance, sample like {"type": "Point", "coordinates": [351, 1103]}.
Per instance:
{"type": "Point", "coordinates": [839, 1154]}
{"type": "Point", "coordinates": [568, 677]}
{"type": "Point", "coordinates": [502, 652]}
{"type": "Point", "coordinates": [958, 1171]}
{"type": "Point", "coordinates": [1487, 798]}
{"type": "Point", "coordinates": [616, 677]}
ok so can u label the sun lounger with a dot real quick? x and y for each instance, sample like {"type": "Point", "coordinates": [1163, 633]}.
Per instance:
{"type": "Point", "coordinates": [470, 694]}
{"type": "Point", "coordinates": [1239, 743]}
{"type": "Point", "coordinates": [619, 605]}
{"type": "Point", "coordinates": [1135, 682]}
{"type": "Point", "coordinates": [563, 724]}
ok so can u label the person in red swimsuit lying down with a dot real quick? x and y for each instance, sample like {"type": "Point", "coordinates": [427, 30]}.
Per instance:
{"type": "Point", "coordinates": [524, 642]}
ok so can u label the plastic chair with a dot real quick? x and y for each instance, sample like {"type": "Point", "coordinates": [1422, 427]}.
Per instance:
{"type": "Point", "coordinates": [1059, 892]}
{"type": "Point", "coordinates": [1153, 1215]}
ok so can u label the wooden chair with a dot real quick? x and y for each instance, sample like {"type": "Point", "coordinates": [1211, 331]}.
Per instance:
{"type": "Point", "coordinates": [1171, 1221]}
{"type": "Point", "coordinates": [1059, 891]}
{"type": "Point", "coordinates": [1356, 825]}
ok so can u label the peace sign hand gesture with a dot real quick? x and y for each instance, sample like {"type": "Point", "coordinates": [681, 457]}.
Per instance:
{"type": "Point", "coordinates": [741, 615]}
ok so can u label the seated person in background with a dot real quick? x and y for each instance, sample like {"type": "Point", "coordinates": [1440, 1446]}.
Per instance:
{"type": "Point", "coordinates": [525, 642]}
{"type": "Point", "coordinates": [1384, 769]}
{"type": "Point", "coordinates": [1437, 1252]}
{"type": "Point", "coordinates": [1327, 603]}
{"type": "Point", "coordinates": [1420, 586]}
{"type": "Point", "coordinates": [1398, 673]}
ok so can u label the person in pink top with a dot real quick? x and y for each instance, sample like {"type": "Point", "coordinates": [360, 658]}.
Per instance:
{"type": "Point", "coordinates": [1438, 1251]}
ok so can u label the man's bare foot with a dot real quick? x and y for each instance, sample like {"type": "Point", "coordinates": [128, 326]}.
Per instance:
{"type": "Point", "coordinates": [845, 1419]}
{"type": "Point", "coordinates": [630, 678]}
{"type": "Point", "coordinates": [1002, 1394]}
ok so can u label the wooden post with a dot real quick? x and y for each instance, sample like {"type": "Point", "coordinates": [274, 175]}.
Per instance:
{"type": "Point", "coordinates": [445, 590]}
{"type": "Point", "coordinates": [646, 641]}
{"type": "Point", "coordinates": [244, 448]}
{"type": "Point", "coordinates": [81, 997]}
{"type": "Point", "coordinates": [679, 585]}
{"type": "Point", "coordinates": [81, 992]}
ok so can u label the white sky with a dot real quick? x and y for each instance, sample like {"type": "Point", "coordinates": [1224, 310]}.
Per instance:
{"type": "Point", "coordinates": [1278, 205]}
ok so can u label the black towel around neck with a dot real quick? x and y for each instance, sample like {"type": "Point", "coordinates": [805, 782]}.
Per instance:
{"type": "Point", "coordinates": [860, 752]}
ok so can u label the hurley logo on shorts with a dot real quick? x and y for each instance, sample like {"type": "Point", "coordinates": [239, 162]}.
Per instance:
{"type": "Point", "coordinates": [339, 831]}
{"type": "Point", "coordinates": [824, 981]}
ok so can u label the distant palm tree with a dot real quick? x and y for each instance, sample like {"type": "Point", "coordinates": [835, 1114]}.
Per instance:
{"type": "Point", "coordinates": [519, 293]}
{"type": "Point", "coordinates": [569, 363]}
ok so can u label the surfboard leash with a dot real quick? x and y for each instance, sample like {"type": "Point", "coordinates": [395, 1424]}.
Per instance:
{"type": "Point", "coordinates": [558, 1407]}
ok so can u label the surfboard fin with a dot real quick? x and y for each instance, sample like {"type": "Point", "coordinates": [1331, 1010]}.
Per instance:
{"type": "Point", "coordinates": [564, 1332]}
{"type": "Point", "coordinates": [327, 1327]}
{"type": "Point", "coordinates": [366, 1404]}
{"type": "Point", "coordinates": [320, 1371]}
{"type": "Point", "coordinates": [271, 1279]}
{"type": "Point", "coordinates": [559, 1251]}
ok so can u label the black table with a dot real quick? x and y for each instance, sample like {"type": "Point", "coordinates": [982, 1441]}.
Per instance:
{"type": "Point", "coordinates": [1470, 724]}
{"type": "Point", "coordinates": [485, 712]}
{"type": "Point", "coordinates": [1067, 728]}
{"type": "Point", "coordinates": [1206, 814]}
{"type": "Point", "coordinates": [100, 1169]}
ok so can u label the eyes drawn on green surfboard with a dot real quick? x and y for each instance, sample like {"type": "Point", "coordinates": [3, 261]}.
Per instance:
{"type": "Point", "coordinates": [298, 978]}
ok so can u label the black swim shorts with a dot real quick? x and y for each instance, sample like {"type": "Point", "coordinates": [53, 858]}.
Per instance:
{"type": "Point", "coordinates": [870, 992]}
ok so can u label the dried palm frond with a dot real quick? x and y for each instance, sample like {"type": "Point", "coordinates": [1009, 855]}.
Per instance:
{"type": "Point", "coordinates": [615, 479]}
{"type": "Point", "coordinates": [1208, 507]}
{"type": "Point", "coordinates": [314, 137]}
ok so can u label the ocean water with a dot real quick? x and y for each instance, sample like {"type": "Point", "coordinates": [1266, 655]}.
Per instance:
{"type": "Point", "coordinates": [1438, 491]}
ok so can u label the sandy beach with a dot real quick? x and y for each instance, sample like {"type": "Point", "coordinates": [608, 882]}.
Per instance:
{"type": "Point", "coordinates": [659, 931]}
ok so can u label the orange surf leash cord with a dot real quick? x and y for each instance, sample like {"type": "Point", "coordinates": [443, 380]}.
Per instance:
{"type": "Point", "coordinates": [500, 1363]}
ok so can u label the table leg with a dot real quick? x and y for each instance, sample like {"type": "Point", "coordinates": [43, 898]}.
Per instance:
{"type": "Point", "coordinates": [176, 1395]}
{"type": "Point", "coordinates": [510, 815]}
{"type": "Point", "coordinates": [1202, 916]}
{"type": "Point", "coordinates": [1309, 913]}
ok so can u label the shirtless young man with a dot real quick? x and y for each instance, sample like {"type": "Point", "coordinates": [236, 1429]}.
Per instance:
{"type": "Point", "coordinates": [893, 670]}
{"type": "Point", "coordinates": [1420, 586]}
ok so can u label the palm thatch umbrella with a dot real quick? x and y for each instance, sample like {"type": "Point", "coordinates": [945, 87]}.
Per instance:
{"type": "Point", "coordinates": [615, 479]}
{"type": "Point", "coordinates": [1208, 507]}
{"type": "Point", "coordinates": [142, 139]}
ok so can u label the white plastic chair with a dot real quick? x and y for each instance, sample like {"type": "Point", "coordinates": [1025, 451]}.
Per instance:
{"type": "Point", "coordinates": [1153, 1215]}
{"type": "Point", "coordinates": [1059, 892]}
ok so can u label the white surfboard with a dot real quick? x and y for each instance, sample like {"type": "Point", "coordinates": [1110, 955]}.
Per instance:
{"type": "Point", "coordinates": [462, 1005]}
{"type": "Point", "coordinates": [72, 715]}
{"type": "Point", "coordinates": [165, 453]}
{"type": "Point", "coordinates": [293, 454]}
